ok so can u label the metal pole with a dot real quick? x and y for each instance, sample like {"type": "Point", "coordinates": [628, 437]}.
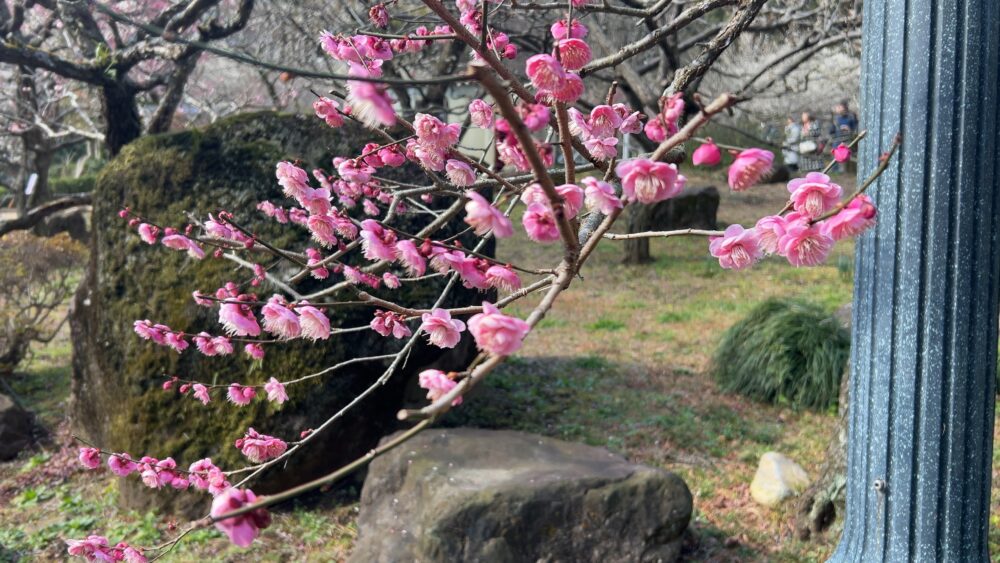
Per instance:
{"type": "Point", "coordinates": [926, 286]}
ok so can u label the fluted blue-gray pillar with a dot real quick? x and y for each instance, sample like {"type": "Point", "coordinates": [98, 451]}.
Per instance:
{"type": "Point", "coordinates": [926, 286]}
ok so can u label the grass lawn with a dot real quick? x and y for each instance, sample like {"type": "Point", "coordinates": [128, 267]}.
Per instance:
{"type": "Point", "coordinates": [620, 362]}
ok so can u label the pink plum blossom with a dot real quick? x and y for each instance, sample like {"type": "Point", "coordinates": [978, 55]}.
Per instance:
{"type": "Point", "coordinates": [205, 475]}
{"type": "Point", "coordinates": [814, 195]}
{"type": "Point", "coordinates": [175, 341]}
{"type": "Point", "coordinates": [434, 133]}
{"type": "Point", "coordinates": [201, 393]}
{"type": "Point", "coordinates": [540, 223]}
{"type": "Point", "coordinates": [496, 333]}
{"type": "Point", "coordinates": [560, 30]}
{"type": "Point", "coordinates": [535, 116]}
{"type": "Point", "coordinates": [377, 242]}
{"type": "Point", "coordinates": [438, 384]}
{"type": "Point", "coordinates": [600, 196]}
{"type": "Point", "coordinates": [655, 130]}
{"type": "Point", "coordinates": [573, 53]}
{"type": "Point", "coordinates": [502, 277]}
{"type": "Point", "coordinates": [855, 218]}
{"type": "Point", "coordinates": [737, 249]}
{"type": "Point", "coordinates": [481, 113]}
{"type": "Point", "coordinates": [121, 464]}
{"type": "Point", "coordinates": [388, 323]}
{"type": "Point", "coordinates": [442, 331]}
{"type": "Point", "coordinates": [279, 320]}
{"type": "Point", "coordinates": [379, 16]}
{"type": "Point", "coordinates": [579, 124]}
{"type": "Point", "coordinates": [804, 244]}
{"type": "Point", "coordinates": [292, 179]}
{"type": "Point", "coordinates": [254, 350]}
{"type": "Point", "coordinates": [244, 528]}
{"type": "Point", "coordinates": [241, 395]}
{"type": "Point", "coordinates": [749, 167]}
{"type": "Point", "coordinates": [94, 548]}
{"type": "Point", "coordinates": [483, 217]}
{"type": "Point", "coordinates": [391, 280]}
{"type": "Point", "coordinates": [604, 121]}
{"type": "Point", "coordinates": [460, 173]}
{"type": "Point", "coordinates": [370, 103]}
{"type": "Point", "coordinates": [315, 324]}
{"type": "Point", "coordinates": [570, 89]}
{"type": "Point", "coordinates": [769, 230]}
{"type": "Point", "coordinates": [602, 149]}
{"type": "Point", "coordinates": [259, 448]}
{"type": "Point", "coordinates": [708, 154]}
{"type": "Point", "coordinates": [275, 391]}
{"type": "Point", "coordinates": [328, 110]}
{"type": "Point", "coordinates": [411, 259]}
{"type": "Point", "coordinates": [148, 233]}
{"type": "Point", "coordinates": [238, 319]}
{"type": "Point", "coordinates": [181, 242]}
{"type": "Point", "coordinates": [647, 181]}
{"type": "Point", "coordinates": [545, 72]}
{"type": "Point", "coordinates": [90, 457]}
{"type": "Point", "coordinates": [842, 153]}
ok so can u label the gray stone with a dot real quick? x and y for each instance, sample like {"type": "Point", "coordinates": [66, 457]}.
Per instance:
{"type": "Point", "coordinates": [693, 208]}
{"type": "Point", "coordinates": [16, 426]}
{"type": "Point", "coordinates": [502, 496]}
{"type": "Point", "coordinates": [778, 175]}
{"type": "Point", "coordinates": [74, 221]}
{"type": "Point", "coordinates": [777, 478]}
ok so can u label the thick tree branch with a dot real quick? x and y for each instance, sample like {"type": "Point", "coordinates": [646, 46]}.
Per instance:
{"type": "Point", "coordinates": [38, 214]}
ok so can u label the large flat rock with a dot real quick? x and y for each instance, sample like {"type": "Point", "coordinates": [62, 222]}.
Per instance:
{"type": "Point", "coordinates": [502, 496]}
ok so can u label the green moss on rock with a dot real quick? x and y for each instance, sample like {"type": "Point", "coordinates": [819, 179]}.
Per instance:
{"type": "Point", "coordinates": [118, 400]}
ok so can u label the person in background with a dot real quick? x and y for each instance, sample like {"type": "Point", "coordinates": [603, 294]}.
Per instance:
{"type": "Point", "coordinates": [790, 147]}
{"type": "Point", "coordinates": [843, 128]}
{"type": "Point", "coordinates": [844, 120]}
{"type": "Point", "coordinates": [810, 147]}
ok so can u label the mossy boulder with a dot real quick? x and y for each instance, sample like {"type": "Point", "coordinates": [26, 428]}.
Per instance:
{"type": "Point", "coordinates": [118, 399]}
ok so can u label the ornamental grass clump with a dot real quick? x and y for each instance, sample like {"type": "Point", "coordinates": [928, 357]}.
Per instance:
{"type": "Point", "coordinates": [790, 352]}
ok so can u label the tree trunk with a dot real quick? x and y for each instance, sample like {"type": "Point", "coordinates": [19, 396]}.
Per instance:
{"type": "Point", "coordinates": [121, 116]}
{"type": "Point", "coordinates": [636, 250]}
{"type": "Point", "coordinates": [36, 155]}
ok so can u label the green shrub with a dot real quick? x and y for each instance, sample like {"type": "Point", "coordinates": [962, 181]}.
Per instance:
{"type": "Point", "coordinates": [67, 185]}
{"type": "Point", "coordinates": [784, 352]}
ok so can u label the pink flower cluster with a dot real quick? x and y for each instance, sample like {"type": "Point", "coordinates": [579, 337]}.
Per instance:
{"type": "Point", "coordinates": [282, 319]}
{"type": "Point", "coordinates": [156, 473]}
{"type": "Point", "coordinates": [600, 128]}
{"type": "Point", "coordinates": [664, 124]}
{"type": "Point", "coordinates": [172, 239]}
{"type": "Point", "coordinates": [800, 236]}
{"type": "Point", "coordinates": [389, 323]}
{"type": "Point", "coordinates": [259, 448]}
{"type": "Point", "coordinates": [539, 219]}
{"type": "Point", "coordinates": [553, 75]}
{"type": "Point", "coordinates": [496, 41]}
{"type": "Point", "coordinates": [96, 548]}
{"type": "Point", "coordinates": [432, 147]}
